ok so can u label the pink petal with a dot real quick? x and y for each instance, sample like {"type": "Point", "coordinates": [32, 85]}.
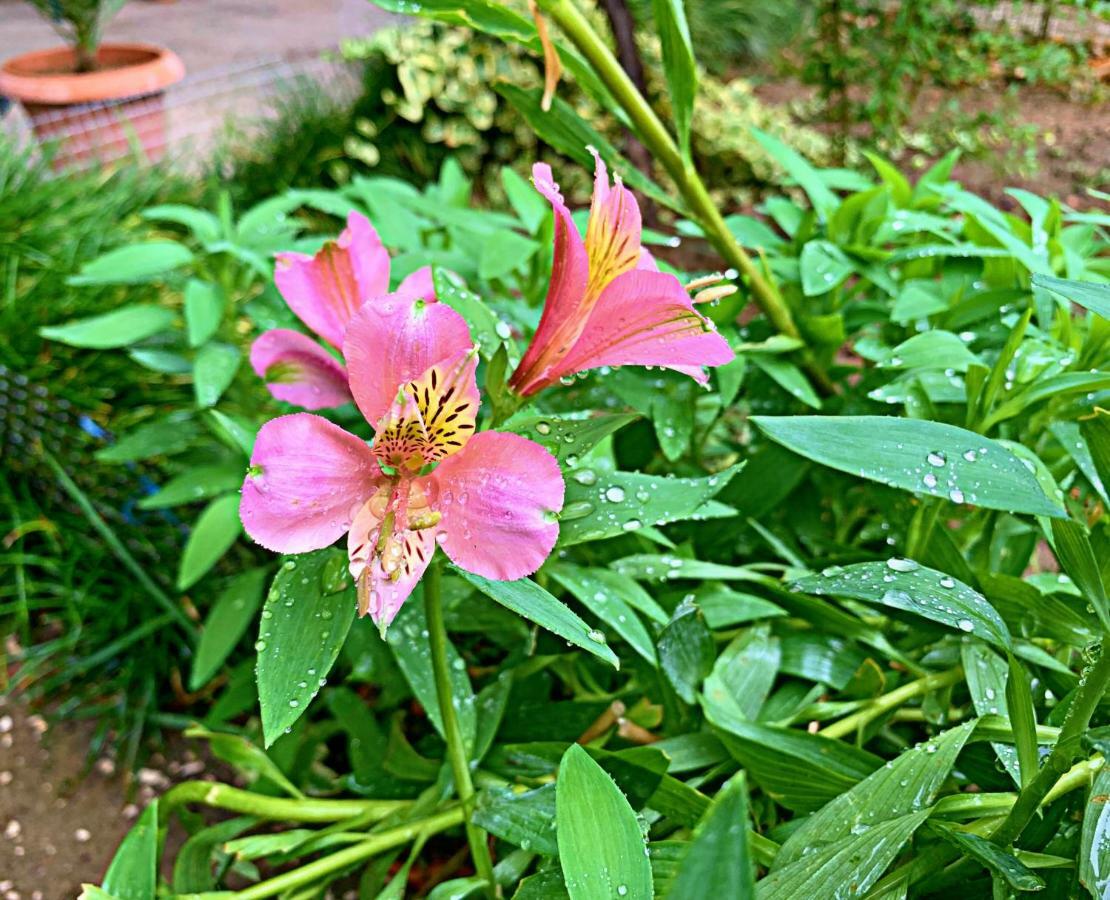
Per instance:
{"type": "Point", "coordinates": [498, 499]}
{"type": "Point", "coordinates": [308, 479]}
{"type": "Point", "coordinates": [325, 290]}
{"type": "Point", "coordinates": [419, 284]}
{"type": "Point", "coordinates": [613, 232]}
{"type": "Point", "coordinates": [645, 318]}
{"type": "Point", "coordinates": [564, 309]}
{"type": "Point", "coordinates": [385, 580]}
{"type": "Point", "coordinates": [298, 370]}
{"type": "Point", "coordinates": [393, 340]}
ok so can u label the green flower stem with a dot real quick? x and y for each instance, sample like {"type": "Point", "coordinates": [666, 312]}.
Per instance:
{"type": "Point", "coordinates": [222, 796]}
{"type": "Point", "coordinates": [884, 704]}
{"type": "Point", "coordinates": [456, 748]}
{"type": "Point", "coordinates": [658, 140]}
{"type": "Point", "coordinates": [372, 846]}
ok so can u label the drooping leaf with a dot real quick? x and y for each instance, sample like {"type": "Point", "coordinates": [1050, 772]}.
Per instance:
{"type": "Point", "coordinates": [308, 612]}
{"type": "Point", "coordinates": [603, 592]}
{"type": "Point", "coordinates": [908, 586]}
{"type": "Point", "coordinates": [925, 457]}
{"type": "Point", "coordinates": [528, 599]}
{"type": "Point", "coordinates": [601, 848]}
{"type": "Point", "coordinates": [119, 328]}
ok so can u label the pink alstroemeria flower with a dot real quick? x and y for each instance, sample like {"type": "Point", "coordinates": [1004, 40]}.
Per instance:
{"type": "Point", "coordinates": [325, 291]}
{"type": "Point", "coordinates": [491, 502]}
{"type": "Point", "coordinates": [607, 304]}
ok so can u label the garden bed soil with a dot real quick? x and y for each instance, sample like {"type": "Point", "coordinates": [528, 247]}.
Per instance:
{"type": "Point", "coordinates": [61, 819]}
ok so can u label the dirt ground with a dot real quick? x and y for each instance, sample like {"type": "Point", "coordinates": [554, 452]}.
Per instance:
{"type": "Point", "coordinates": [61, 818]}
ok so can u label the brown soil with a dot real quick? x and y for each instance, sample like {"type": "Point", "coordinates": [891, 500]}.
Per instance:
{"type": "Point", "coordinates": [61, 819]}
{"type": "Point", "coordinates": [1072, 146]}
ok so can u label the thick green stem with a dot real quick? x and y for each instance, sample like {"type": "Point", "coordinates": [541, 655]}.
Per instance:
{"type": "Point", "coordinates": [1092, 685]}
{"type": "Point", "coordinates": [884, 704]}
{"type": "Point", "coordinates": [452, 733]}
{"type": "Point", "coordinates": [658, 140]}
{"type": "Point", "coordinates": [372, 846]}
{"type": "Point", "coordinates": [222, 796]}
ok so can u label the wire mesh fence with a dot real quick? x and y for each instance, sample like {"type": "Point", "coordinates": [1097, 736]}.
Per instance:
{"type": "Point", "coordinates": [184, 125]}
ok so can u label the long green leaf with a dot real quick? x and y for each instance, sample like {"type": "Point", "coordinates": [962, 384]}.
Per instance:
{"type": "Point", "coordinates": [679, 66]}
{"type": "Point", "coordinates": [930, 458]}
{"type": "Point", "coordinates": [225, 624]}
{"type": "Point", "coordinates": [1094, 850]}
{"type": "Point", "coordinates": [216, 529]}
{"type": "Point", "coordinates": [133, 872]}
{"type": "Point", "coordinates": [601, 848]}
{"type": "Point", "coordinates": [119, 328]}
{"type": "Point", "coordinates": [718, 853]}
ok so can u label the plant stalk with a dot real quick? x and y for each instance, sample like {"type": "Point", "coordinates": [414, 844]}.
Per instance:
{"type": "Point", "coordinates": [223, 796]}
{"type": "Point", "coordinates": [372, 846]}
{"type": "Point", "coordinates": [655, 136]}
{"type": "Point", "coordinates": [452, 733]}
{"type": "Point", "coordinates": [887, 702]}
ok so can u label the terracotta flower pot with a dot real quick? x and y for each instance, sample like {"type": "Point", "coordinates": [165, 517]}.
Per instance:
{"type": "Point", "coordinates": [99, 114]}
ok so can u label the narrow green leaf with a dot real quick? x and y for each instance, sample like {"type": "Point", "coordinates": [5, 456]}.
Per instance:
{"type": "Point", "coordinates": [192, 867]}
{"type": "Point", "coordinates": [245, 756]}
{"type": "Point", "coordinates": [162, 437]}
{"type": "Point", "coordinates": [308, 612]}
{"type": "Point", "coordinates": [742, 677]}
{"type": "Point", "coordinates": [203, 224]}
{"type": "Point", "coordinates": [1095, 297]}
{"type": "Point", "coordinates": [133, 872]}
{"type": "Point", "coordinates": [901, 787]}
{"type": "Point", "coordinates": [986, 674]}
{"type": "Point", "coordinates": [787, 376]}
{"type": "Point", "coordinates": [602, 592]}
{"type": "Point", "coordinates": [718, 853]}
{"type": "Point", "coordinates": [612, 503]}
{"type": "Point", "coordinates": [196, 483]}
{"type": "Point", "coordinates": [905, 585]}
{"type": "Point", "coordinates": [679, 66]}
{"type": "Point", "coordinates": [134, 264]}
{"type": "Point", "coordinates": [213, 371]}
{"type": "Point", "coordinates": [1023, 719]}
{"type": "Point", "coordinates": [204, 308]}
{"type": "Point", "coordinates": [225, 624]}
{"type": "Point", "coordinates": [214, 531]}
{"type": "Point", "coordinates": [601, 848]}
{"type": "Point", "coordinates": [568, 438]}
{"type": "Point", "coordinates": [1005, 865]}
{"type": "Point", "coordinates": [1096, 432]}
{"type": "Point", "coordinates": [823, 266]}
{"type": "Point", "coordinates": [797, 167]}
{"type": "Point", "coordinates": [686, 651]}
{"type": "Point", "coordinates": [524, 818]}
{"type": "Point", "coordinates": [119, 328]}
{"type": "Point", "coordinates": [528, 599]}
{"type": "Point", "coordinates": [1077, 559]}
{"type": "Point", "coordinates": [925, 457]}
{"type": "Point", "coordinates": [525, 200]}
{"type": "Point", "coordinates": [852, 863]}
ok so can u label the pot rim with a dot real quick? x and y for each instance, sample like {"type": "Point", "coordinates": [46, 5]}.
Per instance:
{"type": "Point", "coordinates": [18, 80]}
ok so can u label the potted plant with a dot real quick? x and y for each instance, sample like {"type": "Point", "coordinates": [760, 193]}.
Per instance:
{"type": "Point", "coordinates": [94, 99]}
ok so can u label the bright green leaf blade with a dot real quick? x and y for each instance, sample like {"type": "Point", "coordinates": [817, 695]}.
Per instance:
{"type": "Point", "coordinates": [204, 308]}
{"type": "Point", "coordinates": [905, 585]}
{"type": "Point", "coordinates": [601, 848]}
{"type": "Point", "coordinates": [196, 483]}
{"type": "Point", "coordinates": [525, 200]}
{"type": "Point", "coordinates": [787, 376]}
{"type": "Point", "coordinates": [600, 591]}
{"type": "Point", "coordinates": [986, 674]}
{"type": "Point", "coordinates": [528, 599]}
{"type": "Point", "coordinates": [213, 371]}
{"type": "Point", "coordinates": [162, 437]}
{"type": "Point", "coordinates": [1023, 719]}
{"type": "Point", "coordinates": [857, 860]}
{"type": "Point", "coordinates": [679, 66]}
{"type": "Point", "coordinates": [823, 267]}
{"type": "Point", "coordinates": [203, 224]}
{"type": "Point", "coordinates": [247, 757]}
{"type": "Point", "coordinates": [308, 612]}
{"type": "Point", "coordinates": [225, 624]}
{"type": "Point", "coordinates": [133, 872]}
{"type": "Point", "coordinates": [214, 531]}
{"type": "Point", "coordinates": [797, 167]}
{"type": "Point", "coordinates": [930, 458]}
{"type": "Point", "coordinates": [1095, 297]}
{"type": "Point", "coordinates": [1007, 866]}
{"type": "Point", "coordinates": [568, 438]}
{"type": "Point", "coordinates": [1077, 558]}
{"type": "Point", "coordinates": [718, 852]}
{"type": "Point", "coordinates": [1094, 848]}
{"type": "Point", "coordinates": [906, 785]}
{"type": "Point", "coordinates": [686, 651]}
{"type": "Point", "coordinates": [134, 264]}
{"type": "Point", "coordinates": [742, 676]}
{"type": "Point", "coordinates": [620, 502]}
{"type": "Point", "coordinates": [119, 328]}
